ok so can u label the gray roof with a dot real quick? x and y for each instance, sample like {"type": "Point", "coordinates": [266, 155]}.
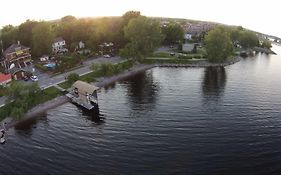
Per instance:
{"type": "Point", "coordinates": [13, 48]}
{"type": "Point", "coordinates": [16, 69]}
{"type": "Point", "coordinates": [59, 39]}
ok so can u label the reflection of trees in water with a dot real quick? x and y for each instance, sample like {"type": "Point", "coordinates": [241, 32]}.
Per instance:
{"type": "Point", "coordinates": [26, 127]}
{"type": "Point", "coordinates": [213, 82]}
{"type": "Point", "coordinates": [142, 89]}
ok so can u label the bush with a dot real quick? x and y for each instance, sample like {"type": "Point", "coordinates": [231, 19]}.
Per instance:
{"type": "Point", "coordinates": [71, 78]}
{"type": "Point", "coordinates": [41, 67]}
{"type": "Point", "coordinates": [167, 61]}
{"type": "Point", "coordinates": [109, 69]}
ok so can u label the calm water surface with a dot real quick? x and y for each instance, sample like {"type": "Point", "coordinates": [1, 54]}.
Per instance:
{"type": "Point", "coordinates": [164, 121]}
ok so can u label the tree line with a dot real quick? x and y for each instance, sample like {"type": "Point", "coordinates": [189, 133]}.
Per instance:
{"type": "Point", "coordinates": [122, 31]}
{"type": "Point", "coordinates": [221, 41]}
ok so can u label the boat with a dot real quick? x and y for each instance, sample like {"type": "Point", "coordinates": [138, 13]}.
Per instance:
{"type": "Point", "coordinates": [84, 95]}
{"type": "Point", "coordinates": [2, 136]}
{"type": "Point", "coordinates": [2, 140]}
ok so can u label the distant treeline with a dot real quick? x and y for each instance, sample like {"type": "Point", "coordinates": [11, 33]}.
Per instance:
{"type": "Point", "coordinates": [39, 35]}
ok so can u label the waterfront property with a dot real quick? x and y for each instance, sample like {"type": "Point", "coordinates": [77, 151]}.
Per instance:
{"type": "Point", "coordinates": [84, 95]}
{"type": "Point", "coordinates": [59, 45]}
{"type": "Point", "coordinates": [5, 79]}
{"type": "Point", "coordinates": [16, 55]}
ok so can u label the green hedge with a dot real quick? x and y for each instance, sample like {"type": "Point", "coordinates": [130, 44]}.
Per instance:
{"type": "Point", "coordinates": [169, 61]}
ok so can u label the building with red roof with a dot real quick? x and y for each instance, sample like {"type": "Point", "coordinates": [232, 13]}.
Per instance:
{"type": "Point", "coordinates": [5, 78]}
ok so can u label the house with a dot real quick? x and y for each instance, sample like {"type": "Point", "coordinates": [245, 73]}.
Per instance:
{"type": "Point", "coordinates": [81, 45]}
{"type": "Point", "coordinates": [16, 55]}
{"type": "Point", "coordinates": [187, 47]}
{"type": "Point", "coordinates": [187, 36]}
{"type": "Point", "coordinates": [18, 73]}
{"type": "Point", "coordinates": [192, 30]}
{"type": "Point", "coordinates": [59, 45]}
{"type": "Point", "coordinates": [5, 79]}
{"type": "Point", "coordinates": [44, 58]}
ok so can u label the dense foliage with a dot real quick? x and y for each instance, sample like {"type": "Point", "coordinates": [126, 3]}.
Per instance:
{"type": "Point", "coordinates": [144, 35]}
{"type": "Point", "coordinates": [21, 98]}
{"type": "Point", "coordinates": [266, 44]}
{"type": "Point", "coordinates": [92, 31]}
{"type": "Point", "coordinates": [218, 45]}
{"type": "Point", "coordinates": [173, 33]}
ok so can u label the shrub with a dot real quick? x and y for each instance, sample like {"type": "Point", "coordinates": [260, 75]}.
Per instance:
{"type": "Point", "coordinates": [71, 78]}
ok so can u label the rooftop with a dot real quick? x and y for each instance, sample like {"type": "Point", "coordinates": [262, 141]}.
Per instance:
{"type": "Point", "coordinates": [59, 39]}
{"type": "Point", "coordinates": [5, 77]}
{"type": "Point", "coordinates": [14, 48]}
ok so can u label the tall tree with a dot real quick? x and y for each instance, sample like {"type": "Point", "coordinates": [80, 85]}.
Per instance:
{"type": "Point", "coordinates": [248, 39]}
{"type": "Point", "coordinates": [42, 41]}
{"type": "Point", "coordinates": [173, 33]}
{"type": "Point", "coordinates": [9, 35]}
{"type": "Point", "coordinates": [20, 98]}
{"type": "Point", "coordinates": [144, 35]}
{"type": "Point", "coordinates": [25, 32]}
{"type": "Point", "coordinates": [218, 45]}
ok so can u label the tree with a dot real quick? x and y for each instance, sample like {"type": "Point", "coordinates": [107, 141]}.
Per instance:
{"type": "Point", "coordinates": [42, 38]}
{"type": "Point", "coordinates": [144, 35]}
{"type": "Point", "coordinates": [248, 39]}
{"type": "Point", "coordinates": [173, 33]}
{"type": "Point", "coordinates": [25, 32]}
{"type": "Point", "coordinates": [20, 98]}
{"type": "Point", "coordinates": [218, 45]}
{"type": "Point", "coordinates": [71, 78]}
{"type": "Point", "coordinates": [130, 15]}
{"type": "Point", "coordinates": [266, 44]}
{"type": "Point", "coordinates": [9, 35]}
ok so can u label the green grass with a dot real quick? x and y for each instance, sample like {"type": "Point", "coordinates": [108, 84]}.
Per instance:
{"type": "Point", "coordinates": [49, 93]}
{"type": "Point", "coordinates": [162, 55]}
{"type": "Point", "coordinates": [46, 95]}
{"type": "Point", "coordinates": [152, 60]}
{"type": "Point", "coordinates": [101, 70]}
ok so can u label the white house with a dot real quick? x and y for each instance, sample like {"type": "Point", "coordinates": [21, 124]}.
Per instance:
{"type": "Point", "coordinates": [187, 36]}
{"type": "Point", "coordinates": [81, 45]}
{"type": "Point", "coordinates": [187, 47]}
{"type": "Point", "coordinates": [58, 45]}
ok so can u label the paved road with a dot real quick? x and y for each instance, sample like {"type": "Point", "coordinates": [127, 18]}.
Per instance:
{"type": "Point", "coordinates": [45, 80]}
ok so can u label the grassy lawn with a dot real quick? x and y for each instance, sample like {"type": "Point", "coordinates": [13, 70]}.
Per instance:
{"type": "Point", "coordinates": [154, 60]}
{"type": "Point", "coordinates": [101, 70]}
{"type": "Point", "coordinates": [49, 93]}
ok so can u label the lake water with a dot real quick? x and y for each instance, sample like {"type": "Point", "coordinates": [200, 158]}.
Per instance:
{"type": "Point", "coordinates": [164, 121]}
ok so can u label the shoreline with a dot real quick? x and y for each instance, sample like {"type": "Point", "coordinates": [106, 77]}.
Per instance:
{"type": "Point", "coordinates": [102, 82]}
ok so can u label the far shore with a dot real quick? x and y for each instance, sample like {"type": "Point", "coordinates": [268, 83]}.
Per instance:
{"type": "Point", "coordinates": [103, 82]}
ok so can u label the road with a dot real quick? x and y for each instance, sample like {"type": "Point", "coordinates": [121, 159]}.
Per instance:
{"type": "Point", "coordinates": [45, 80]}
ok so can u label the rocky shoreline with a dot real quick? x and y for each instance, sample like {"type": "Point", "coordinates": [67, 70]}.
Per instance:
{"type": "Point", "coordinates": [102, 82]}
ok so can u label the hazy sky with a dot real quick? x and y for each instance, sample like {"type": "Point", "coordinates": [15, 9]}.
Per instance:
{"type": "Point", "coordinates": [259, 15]}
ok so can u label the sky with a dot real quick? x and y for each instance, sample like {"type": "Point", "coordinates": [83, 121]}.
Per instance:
{"type": "Point", "coordinates": [258, 15]}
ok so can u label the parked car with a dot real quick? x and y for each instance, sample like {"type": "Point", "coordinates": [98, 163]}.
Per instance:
{"type": "Point", "coordinates": [172, 54]}
{"type": "Point", "coordinates": [106, 56]}
{"type": "Point", "coordinates": [34, 78]}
